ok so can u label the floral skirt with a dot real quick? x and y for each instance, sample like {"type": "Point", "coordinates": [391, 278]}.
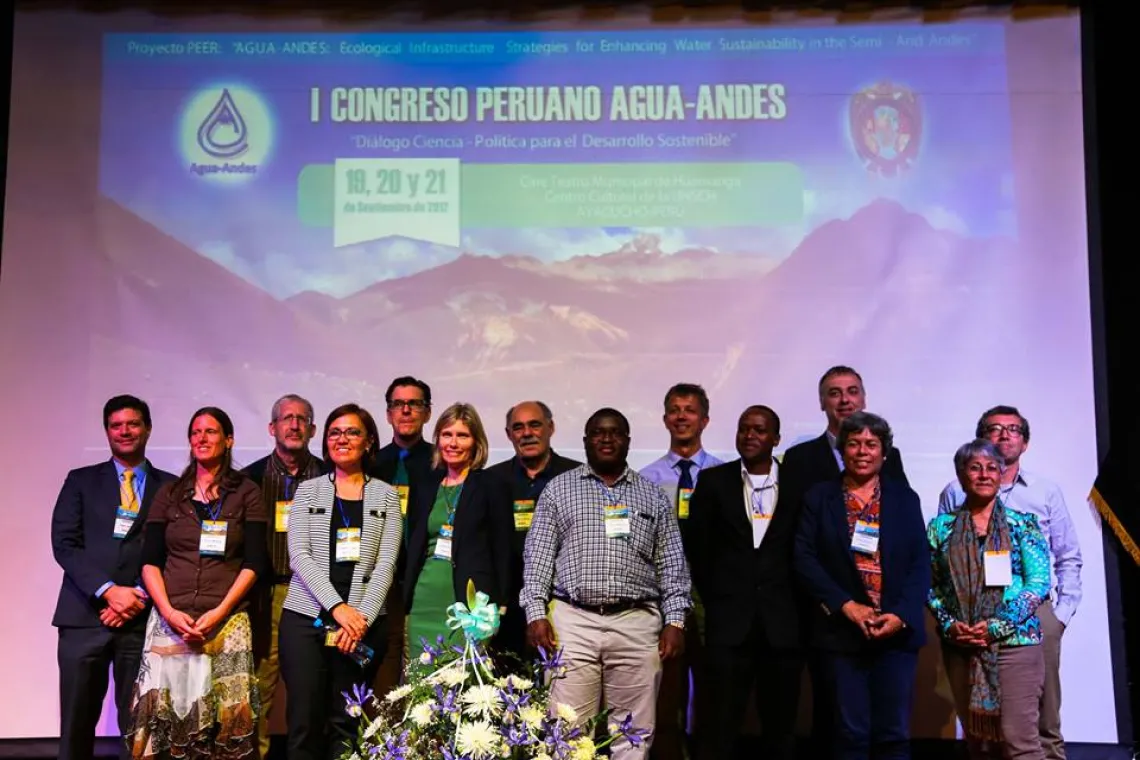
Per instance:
{"type": "Point", "coordinates": [195, 701]}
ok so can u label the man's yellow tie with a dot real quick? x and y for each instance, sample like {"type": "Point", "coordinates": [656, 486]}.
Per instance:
{"type": "Point", "coordinates": [127, 498]}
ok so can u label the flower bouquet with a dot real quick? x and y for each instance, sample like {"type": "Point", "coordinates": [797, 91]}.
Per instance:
{"type": "Point", "coordinates": [455, 705]}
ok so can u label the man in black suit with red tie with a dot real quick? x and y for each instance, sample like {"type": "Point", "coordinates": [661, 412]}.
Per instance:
{"type": "Point", "coordinates": [841, 394]}
{"type": "Point", "coordinates": [741, 534]}
{"type": "Point", "coordinates": [96, 537]}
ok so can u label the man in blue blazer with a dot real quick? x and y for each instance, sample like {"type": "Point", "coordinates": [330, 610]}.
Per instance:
{"type": "Point", "coordinates": [97, 537]}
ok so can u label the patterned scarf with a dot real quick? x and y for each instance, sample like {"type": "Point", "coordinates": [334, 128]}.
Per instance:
{"type": "Point", "coordinates": [978, 602]}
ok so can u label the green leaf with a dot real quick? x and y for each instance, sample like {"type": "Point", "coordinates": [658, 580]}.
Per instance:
{"type": "Point", "coordinates": [470, 594]}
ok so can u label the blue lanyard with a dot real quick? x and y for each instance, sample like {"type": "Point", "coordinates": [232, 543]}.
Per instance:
{"type": "Point", "coordinates": [343, 516]}
{"type": "Point", "coordinates": [216, 510]}
{"type": "Point", "coordinates": [611, 497]}
{"type": "Point", "coordinates": [289, 489]}
{"type": "Point", "coordinates": [453, 503]}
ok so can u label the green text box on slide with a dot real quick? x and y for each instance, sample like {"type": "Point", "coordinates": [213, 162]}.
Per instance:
{"type": "Point", "coordinates": [601, 195]}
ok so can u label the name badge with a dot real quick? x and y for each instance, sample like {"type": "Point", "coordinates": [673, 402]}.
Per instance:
{"type": "Point", "coordinates": [213, 540]}
{"type": "Point", "coordinates": [348, 544]}
{"type": "Point", "coordinates": [124, 521]}
{"type": "Point", "coordinates": [524, 513]}
{"type": "Point", "coordinates": [760, 523]}
{"type": "Point", "coordinates": [683, 497]}
{"type": "Point", "coordinates": [998, 569]}
{"type": "Point", "coordinates": [866, 538]}
{"type": "Point", "coordinates": [617, 521]}
{"type": "Point", "coordinates": [281, 516]}
{"type": "Point", "coordinates": [402, 492]}
{"type": "Point", "coordinates": [443, 543]}
{"type": "Point", "coordinates": [330, 636]}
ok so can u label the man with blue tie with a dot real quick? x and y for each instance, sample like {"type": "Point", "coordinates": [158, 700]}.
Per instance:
{"type": "Point", "coordinates": [686, 417]}
{"type": "Point", "coordinates": [96, 537]}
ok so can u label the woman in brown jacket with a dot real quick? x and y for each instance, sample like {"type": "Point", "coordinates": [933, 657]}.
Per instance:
{"type": "Point", "coordinates": [196, 693]}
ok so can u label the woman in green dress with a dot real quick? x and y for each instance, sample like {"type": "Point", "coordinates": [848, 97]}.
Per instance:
{"type": "Point", "coordinates": [459, 529]}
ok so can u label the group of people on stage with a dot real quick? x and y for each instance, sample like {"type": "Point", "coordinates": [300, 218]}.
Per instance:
{"type": "Point", "coordinates": [692, 582]}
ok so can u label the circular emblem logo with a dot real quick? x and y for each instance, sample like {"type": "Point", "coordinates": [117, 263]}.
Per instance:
{"type": "Point", "coordinates": [225, 133]}
{"type": "Point", "coordinates": [886, 126]}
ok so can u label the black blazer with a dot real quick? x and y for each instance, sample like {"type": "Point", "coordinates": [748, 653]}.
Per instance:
{"type": "Point", "coordinates": [741, 586]}
{"type": "Point", "coordinates": [84, 545]}
{"type": "Point", "coordinates": [825, 565]}
{"type": "Point", "coordinates": [811, 462]}
{"type": "Point", "coordinates": [481, 540]}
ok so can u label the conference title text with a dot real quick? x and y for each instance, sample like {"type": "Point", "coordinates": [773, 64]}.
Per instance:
{"type": "Point", "coordinates": [636, 103]}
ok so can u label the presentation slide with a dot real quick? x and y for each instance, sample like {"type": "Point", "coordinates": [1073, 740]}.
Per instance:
{"type": "Point", "coordinates": [221, 211]}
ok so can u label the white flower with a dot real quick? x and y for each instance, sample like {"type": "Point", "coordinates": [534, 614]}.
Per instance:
{"type": "Point", "coordinates": [583, 748]}
{"type": "Point", "coordinates": [566, 713]}
{"type": "Point", "coordinates": [482, 700]}
{"type": "Point", "coordinates": [425, 658]}
{"type": "Point", "coordinates": [422, 713]}
{"type": "Point", "coordinates": [478, 740]}
{"type": "Point", "coordinates": [395, 695]}
{"type": "Point", "coordinates": [519, 684]}
{"type": "Point", "coordinates": [452, 675]}
{"type": "Point", "coordinates": [532, 716]}
{"type": "Point", "coordinates": [542, 756]}
{"type": "Point", "coordinates": [354, 711]}
{"type": "Point", "coordinates": [373, 727]}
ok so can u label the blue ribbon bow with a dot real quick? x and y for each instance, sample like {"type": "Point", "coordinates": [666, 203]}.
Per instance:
{"type": "Point", "coordinates": [479, 619]}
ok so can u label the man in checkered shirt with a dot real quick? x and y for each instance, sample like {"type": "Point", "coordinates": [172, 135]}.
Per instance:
{"type": "Point", "coordinates": [604, 554]}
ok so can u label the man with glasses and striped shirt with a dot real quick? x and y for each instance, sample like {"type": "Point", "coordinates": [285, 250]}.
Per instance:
{"type": "Point", "coordinates": [604, 560]}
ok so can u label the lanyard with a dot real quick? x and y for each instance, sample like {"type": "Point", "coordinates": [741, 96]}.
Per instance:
{"type": "Point", "coordinates": [866, 505]}
{"type": "Point", "coordinates": [610, 497]}
{"type": "Point", "coordinates": [452, 503]}
{"type": "Point", "coordinates": [215, 511]}
{"type": "Point", "coordinates": [289, 488]}
{"type": "Point", "coordinates": [340, 508]}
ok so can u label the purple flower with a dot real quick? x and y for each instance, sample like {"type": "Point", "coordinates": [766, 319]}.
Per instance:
{"type": "Point", "coordinates": [551, 663]}
{"type": "Point", "coordinates": [393, 748]}
{"type": "Point", "coordinates": [354, 702]}
{"type": "Point", "coordinates": [635, 736]}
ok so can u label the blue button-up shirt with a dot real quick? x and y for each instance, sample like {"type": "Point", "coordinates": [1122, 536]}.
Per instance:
{"type": "Point", "coordinates": [1035, 495]}
{"type": "Point", "coordinates": [139, 487]}
{"type": "Point", "coordinates": [666, 473]}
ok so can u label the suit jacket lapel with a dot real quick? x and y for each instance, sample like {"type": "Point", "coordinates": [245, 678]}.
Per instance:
{"type": "Point", "coordinates": [732, 500]}
{"type": "Point", "coordinates": [839, 521]}
{"type": "Point", "coordinates": [827, 456]}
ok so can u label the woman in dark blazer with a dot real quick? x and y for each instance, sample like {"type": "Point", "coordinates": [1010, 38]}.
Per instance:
{"type": "Point", "coordinates": [459, 529]}
{"type": "Point", "coordinates": [862, 558]}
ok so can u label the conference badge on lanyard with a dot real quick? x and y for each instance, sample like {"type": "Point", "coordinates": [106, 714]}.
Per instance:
{"type": "Point", "coordinates": [683, 497]}
{"type": "Point", "coordinates": [443, 543]}
{"type": "Point", "coordinates": [124, 521]}
{"type": "Point", "coordinates": [348, 544]}
{"type": "Point", "coordinates": [524, 513]}
{"type": "Point", "coordinates": [617, 521]}
{"type": "Point", "coordinates": [866, 537]}
{"type": "Point", "coordinates": [213, 540]}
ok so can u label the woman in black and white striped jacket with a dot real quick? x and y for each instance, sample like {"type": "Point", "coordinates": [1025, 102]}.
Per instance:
{"type": "Point", "coordinates": [344, 542]}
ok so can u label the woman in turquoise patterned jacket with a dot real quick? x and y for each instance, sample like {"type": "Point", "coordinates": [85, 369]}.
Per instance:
{"type": "Point", "coordinates": [990, 573]}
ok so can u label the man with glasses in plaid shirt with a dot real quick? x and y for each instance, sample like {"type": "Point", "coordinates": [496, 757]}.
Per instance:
{"type": "Point", "coordinates": [604, 560]}
{"type": "Point", "coordinates": [1030, 493]}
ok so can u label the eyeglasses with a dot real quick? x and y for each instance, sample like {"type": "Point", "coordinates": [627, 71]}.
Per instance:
{"type": "Point", "coordinates": [412, 404]}
{"type": "Point", "coordinates": [352, 434]}
{"type": "Point", "coordinates": [297, 419]}
{"type": "Point", "coordinates": [1015, 431]}
{"type": "Point", "coordinates": [600, 434]}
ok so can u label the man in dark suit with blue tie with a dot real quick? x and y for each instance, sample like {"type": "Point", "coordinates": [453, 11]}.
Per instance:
{"type": "Point", "coordinates": [96, 537]}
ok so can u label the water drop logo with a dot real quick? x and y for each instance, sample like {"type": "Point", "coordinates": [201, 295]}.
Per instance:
{"type": "Point", "coordinates": [225, 134]}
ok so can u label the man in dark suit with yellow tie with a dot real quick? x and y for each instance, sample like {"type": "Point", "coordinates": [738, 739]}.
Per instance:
{"type": "Point", "coordinates": [96, 537]}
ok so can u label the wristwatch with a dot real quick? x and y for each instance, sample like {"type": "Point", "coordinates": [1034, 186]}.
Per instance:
{"type": "Point", "coordinates": [678, 625]}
